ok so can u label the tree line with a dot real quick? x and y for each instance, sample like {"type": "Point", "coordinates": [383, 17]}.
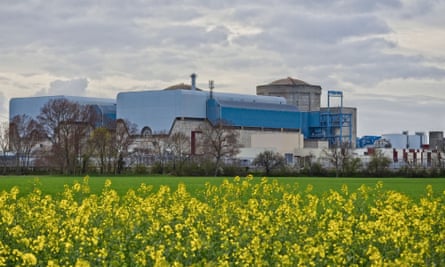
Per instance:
{"type": "Point", "coordinates": [70, 138]}
{"type": "Point", "coordinates": [340, 161]}
{"type": "Point", "coordinates": [62, 139]}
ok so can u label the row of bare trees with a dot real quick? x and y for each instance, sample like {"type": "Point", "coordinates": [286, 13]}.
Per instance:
{"type": "Point", "coordinates": [63, 138]}
{"type": "Point", "coordinates": [215, 147]}
{"type": "Point", "coordinates": [69, 138]}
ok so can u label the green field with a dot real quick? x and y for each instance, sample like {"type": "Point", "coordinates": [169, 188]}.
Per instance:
{"type": "Point", "coordinates": [413, 187]}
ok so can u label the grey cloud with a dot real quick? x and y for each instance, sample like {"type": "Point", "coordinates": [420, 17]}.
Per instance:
{"type": "Point", "coordinates": [106, 27]}
{"type": "Point", "coordinates": [372, 74]}
{"type": "Point", "coordinates": [3, 107]}
{"type": "Point", "coordinates": [293, 28]}
{"type": "Point", "coordinates": [344, 45]}
{"type": "Point", "coordinates": [417, 8]}
{"type": "Point", "coordinates": [319, 5]}
{"type": "Point", "coordinates": [396, 113]}
{"type": "Point", "coordinates": [53, 25]}
{"type": "Point", "coordinates": [331, 43]}
{"type": "Point", "coordinates": [192, 36]}
{"type": "Point", "coordinates": [354, 6]}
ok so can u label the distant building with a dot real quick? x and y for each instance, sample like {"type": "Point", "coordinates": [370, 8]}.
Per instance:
{"type": "Point", "coordinates": [405, 140]}
{"type": "Point", "coordinates": [283, 116]}
{"type": "Point", "coordinates": [32, 106]}
{"type": "Point", "coordinates": [436, 140]}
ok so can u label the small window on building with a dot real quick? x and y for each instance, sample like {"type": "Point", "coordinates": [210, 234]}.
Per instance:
{"type": "Point", "coordinates": [289, 158]}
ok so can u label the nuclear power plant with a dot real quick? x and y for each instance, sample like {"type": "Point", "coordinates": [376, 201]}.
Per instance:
{"type": "Point", "coordinates": [285, 116]}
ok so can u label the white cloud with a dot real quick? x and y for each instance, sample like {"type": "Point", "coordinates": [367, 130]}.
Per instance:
{"type": "Point", "coordinates": [74, 87]}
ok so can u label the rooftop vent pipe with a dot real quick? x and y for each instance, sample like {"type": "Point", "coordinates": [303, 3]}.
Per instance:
{"type": "Point", "coordinates": [193, 76]}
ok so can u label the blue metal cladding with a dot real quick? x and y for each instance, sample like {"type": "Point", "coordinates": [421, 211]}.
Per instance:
{"type": "Point", "coordinates": [314, 119]}
{"type": "Point", "coordinates": [213, 110]}
{"type": "Point", "coordinates": [261, 118]}
{"type": "Point", "coordinates": [107, 114]}
{"type": "Point", "coordinates": [32, 106]}
{"type": "Point", "coordinates": [261, 115]}
{"type": "Point", "coordinates": [367, 140]}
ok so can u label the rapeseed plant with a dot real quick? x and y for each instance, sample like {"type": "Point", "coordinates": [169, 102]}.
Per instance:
{"type": "Point", "coordinates": [240, 222]}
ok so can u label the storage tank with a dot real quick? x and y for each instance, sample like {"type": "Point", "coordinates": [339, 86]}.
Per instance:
{"type": "Point", "coordinates": [422, 136]}
{"type": "Point", "coordinates": [415, 141]}
{"type": "Point", "coordinates": [436, 140]}
{"type": "Point", "coordinates": [398, 141]}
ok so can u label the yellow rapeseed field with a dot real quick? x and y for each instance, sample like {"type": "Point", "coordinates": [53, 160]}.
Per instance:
{"type": "Point", "coordinates": [238, 223]}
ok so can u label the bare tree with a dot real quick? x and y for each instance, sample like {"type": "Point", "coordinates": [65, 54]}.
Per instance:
{"type": "Point", "coordinates": [269, 160]}
{"type": "Point", "coordinates": [109, 145]}
{"type": "Point", "coordinates": [379, 163]}
{"type": "Point", "coordinates": [67, 125]}
{"type": "Point", "coordinates": [4, 136]}
{"type": "Point", "coordinates": [219, 142]}
{"type": "Point", "coordinates": [4, 144]}
{"type": "Point", "coordinates": [339, 155]}
{"type": "Point", "coordinates": [141, 156]}
{"type": "Point", "coordinates": [100, 142]}
{"type": "Point", "coordinates": [24, 134]}
{"type": "Point", "coordinates": [160, 151]}
{"type": "Point", "coordinates": [123, 137]}
{"type": "Point", "coordinates": [179, 146]}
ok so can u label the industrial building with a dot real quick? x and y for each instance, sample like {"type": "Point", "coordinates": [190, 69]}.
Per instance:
{"type": "Point", "coordinates": [405, 140]}
{"type": "Point", "coordinates": [31, 106]}
{"type": "Point", "coordinates": [284, 105]}
{"type": "Point", "coordinates": [306, 97]}
{"type": "Point", "coordinates": [436, 141]}
{"type": "Point", "coordinates": [335, 123]}
{"type": "Point", "coordinates": [419, 140]}
{"type": "Point", "coordinates": [284, 116]}
{"type": "Point", "coordinates": [405, 150]}
{"type": "Point", "coordinates": [263, 122]}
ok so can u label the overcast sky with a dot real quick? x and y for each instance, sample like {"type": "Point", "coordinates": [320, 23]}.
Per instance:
{"type": "Point", "coordinates": [387, 56]}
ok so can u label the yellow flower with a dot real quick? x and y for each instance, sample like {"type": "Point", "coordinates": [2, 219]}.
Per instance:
{"type": "Point", "coordinates": [29, 259]}
{"type": "Point", "coordinates": [14, 192]}
{"type": "Point", "coordinates": [76, 187]}
{"type": "Point", "coordinates": [107, 183]}
{"type": "Point", "coordinates": [374, 254]}
{"type": "Point", "coordinates": [239, 222]}
{"type": "Point", "coordinates": [52, 263]}
{"type": "Point", "coordinates": [7, 217]}
{"type": "Point", "coordinates": [82, 263]}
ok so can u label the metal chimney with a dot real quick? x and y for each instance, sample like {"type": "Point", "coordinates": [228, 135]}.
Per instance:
{"type": "Point", "coordinates": [211, 86]}
{"type": "Point", "coordinates": [193, 76]}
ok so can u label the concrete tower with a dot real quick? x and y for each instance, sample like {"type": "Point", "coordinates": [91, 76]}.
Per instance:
{"type": "Point", "coordinates": [296, 92]}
